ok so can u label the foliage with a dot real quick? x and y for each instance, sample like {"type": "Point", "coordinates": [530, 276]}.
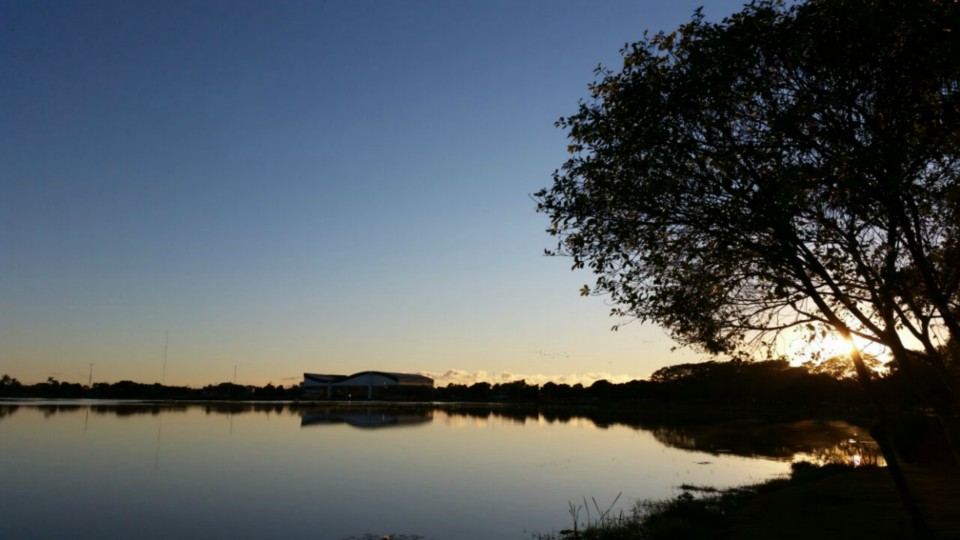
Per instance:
{"type": "Point", "coordinates": [697, 512]}
{"type": "Point", "coordinates": [841, 367]}
{"type": "Point", "coordinates": [52, 388]}
{"type": "Point", "coordinates": [704, 390]}
{"type": "Point", "coordinates": [602, 523]}
{"type": "Point", "coordinates": [728, 388]}
{"type": "Point", "coordinates": [794, 166]}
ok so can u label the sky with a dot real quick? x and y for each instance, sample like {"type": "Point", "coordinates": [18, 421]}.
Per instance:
{"type": "Point", "coordinates": [301, 186]}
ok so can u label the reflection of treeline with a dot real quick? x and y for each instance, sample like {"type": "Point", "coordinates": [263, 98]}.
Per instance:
{"type": "Point", "coordinates": [7, 410]}
{"type": "Point", "coordinates": [211, 407]}
{"type": "Point", "coordinates": [818, 441]}
{"type": "Point", "coordinates": [822, 441]}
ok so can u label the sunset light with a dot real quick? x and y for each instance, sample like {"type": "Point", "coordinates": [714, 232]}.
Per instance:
{"type": "Point", "coordinates": [829, 346]}
{"type": "Point", "coordinates": [479, 269]}
{"type": "Point", "coordinates": [802, 349]}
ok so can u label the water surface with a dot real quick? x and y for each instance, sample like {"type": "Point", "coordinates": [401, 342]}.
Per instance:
{"type": "Point", "coordinates": [99, 470]}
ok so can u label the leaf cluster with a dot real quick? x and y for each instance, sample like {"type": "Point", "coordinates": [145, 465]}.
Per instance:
{"type": "Point", "coordinates": [792, 166]}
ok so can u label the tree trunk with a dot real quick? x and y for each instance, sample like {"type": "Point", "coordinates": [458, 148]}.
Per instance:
{"type": "Point", "coordinates": [880, 433]}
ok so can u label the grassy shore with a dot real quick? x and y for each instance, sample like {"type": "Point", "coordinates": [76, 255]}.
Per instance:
{"type": "Point", "coordinates": [822, 503]}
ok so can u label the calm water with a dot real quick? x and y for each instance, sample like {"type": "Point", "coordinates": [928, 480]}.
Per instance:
{"type": "Point", "coordinates": [95, 470]}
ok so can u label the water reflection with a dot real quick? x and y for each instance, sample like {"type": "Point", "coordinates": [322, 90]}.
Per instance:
{"type": "Point", "coordinates": [7, 410]}
{"type": "Point", "coordinates": [819, 442]}
{"type": "Point", "coordinates": [253, 470]}
{"type": "Point", "coordinates": [365, 418]}
{"type": "Point", "coordinates": [816, 441]}
{"type": "Point", "coordinates": [856, 452]}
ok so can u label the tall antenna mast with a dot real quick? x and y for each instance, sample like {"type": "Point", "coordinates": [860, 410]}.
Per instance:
{"type": "Point", "coordinates": [166, 341]}
{"type": "Point", "coordinates": [90, 377]}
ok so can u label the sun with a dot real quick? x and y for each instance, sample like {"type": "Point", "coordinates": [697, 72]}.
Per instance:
{"type": "Point", "coordinates": [831, 345]}
{"type": "Point", "coordinates": [803, 349]}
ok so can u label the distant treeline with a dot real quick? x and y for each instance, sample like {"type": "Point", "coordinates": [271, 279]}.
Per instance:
{"type": "Point", "coordinates": [773, 384]}
{"type": "Point", "coordinates": [52, 388]}
{"type": "Point", "coordinates": [724, 385]}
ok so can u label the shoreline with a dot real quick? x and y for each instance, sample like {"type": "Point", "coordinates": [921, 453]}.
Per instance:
{"type": "Point", "coordinates": [832, 502]}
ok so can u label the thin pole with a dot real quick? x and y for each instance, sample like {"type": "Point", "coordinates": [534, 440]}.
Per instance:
{"type": "Point", "coordinates": [90, 377]}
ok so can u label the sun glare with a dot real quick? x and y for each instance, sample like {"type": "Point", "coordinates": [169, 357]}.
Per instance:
{"type": "Point", "coordinates": [832, 345]}
{"type": "Point", "coordinates": [803, 349]}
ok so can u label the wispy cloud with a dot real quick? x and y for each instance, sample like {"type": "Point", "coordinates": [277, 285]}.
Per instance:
{"type": "Point", "coordinates": [459, 376]}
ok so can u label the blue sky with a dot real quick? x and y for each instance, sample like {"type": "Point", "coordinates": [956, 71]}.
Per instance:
{"type": "Point", "coordinates": [294, 186]}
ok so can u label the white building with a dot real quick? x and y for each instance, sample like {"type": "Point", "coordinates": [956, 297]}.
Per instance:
{"type": "Point", "coordinates": [314, 383]}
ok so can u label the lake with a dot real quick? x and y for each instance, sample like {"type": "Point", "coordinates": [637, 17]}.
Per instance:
{"type": "Point", "coordinates": [85, 469]}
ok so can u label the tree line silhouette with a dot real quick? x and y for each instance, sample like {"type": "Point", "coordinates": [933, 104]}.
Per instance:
{"type": "Point", "coordinates": [52, 388]}
{"type": "Point", "coordinates": [703, 388]}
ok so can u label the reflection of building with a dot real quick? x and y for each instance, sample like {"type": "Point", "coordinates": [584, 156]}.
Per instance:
{"type": "Point", "coordinates": [364, 419]}
{"type": "Point", "coordinates": [385, 384]}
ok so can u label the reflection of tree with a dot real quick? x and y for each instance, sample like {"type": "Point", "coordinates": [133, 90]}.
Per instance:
{"type": "Point", "coordinates": [849, 452]}
{"type": "Point", "coordinates": [392, 537]}
{"type": "Point", "coordinates": [826, 441]}
{"type": "Point", "coordinates": [516, 415]}
{"type": "Point", "coordinates": [823, 441]}
{"type": "Point", "coordinates": [154, 408]}
{"type": "Point", "coordinates": [723, 443]}
{"type": "Point", "coordinates": [137, 409]}
{"type": "Point", "coordinates": [52, 410]}
{"type": "Point", "coordinates": [7, 410]}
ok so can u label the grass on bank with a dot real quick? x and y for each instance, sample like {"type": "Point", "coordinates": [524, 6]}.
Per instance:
{"type": "Point", "coordinates": [698, 512]}
{"type": "Point", "coordinates": [832, 501]}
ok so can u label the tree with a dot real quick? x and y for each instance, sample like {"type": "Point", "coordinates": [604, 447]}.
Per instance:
{"type": "Point", "coordinates": [793, 167]}
{"type": "Point", "coordinates": [9, 385]}
{"type": "Point", "coordinates": [841, 367]}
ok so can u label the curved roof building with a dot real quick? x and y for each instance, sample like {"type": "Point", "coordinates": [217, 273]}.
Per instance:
{"type": "Point", "coordinates": [313, 383]}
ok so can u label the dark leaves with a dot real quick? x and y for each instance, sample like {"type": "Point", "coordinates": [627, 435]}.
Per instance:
{"type": "Point", "coordinates": [786, 166]}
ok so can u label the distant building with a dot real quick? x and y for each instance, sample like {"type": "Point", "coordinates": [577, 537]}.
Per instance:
{"type": "Point", "coordinates": [381, 382]}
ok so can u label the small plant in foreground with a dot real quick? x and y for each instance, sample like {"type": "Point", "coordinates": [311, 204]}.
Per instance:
{"type": "Point", "coordinates": [604, 524]}
{"type": "Point", "coordinates": [697, 513]}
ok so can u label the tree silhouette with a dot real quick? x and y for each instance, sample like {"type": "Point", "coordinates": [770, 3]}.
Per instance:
{"type": "Point", "coordinates": [841, 366]}
{"type": "Point", "coordinates": [793, 167]}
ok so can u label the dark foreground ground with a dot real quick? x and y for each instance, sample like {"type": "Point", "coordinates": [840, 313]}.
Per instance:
{"type": "Point", "coordinates": [858, 503]}
{"type": "Point", "coordinates": [830, 503]}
